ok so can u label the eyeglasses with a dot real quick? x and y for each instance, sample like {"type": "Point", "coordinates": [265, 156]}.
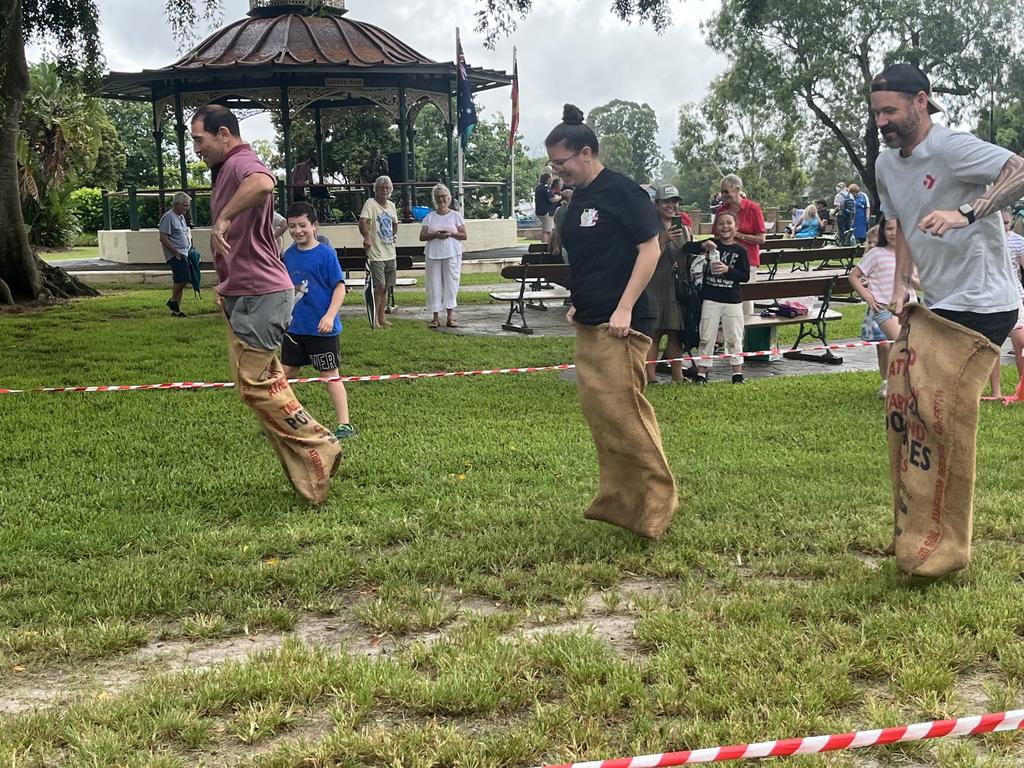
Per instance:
{"type": "Point", "coordinates": [555, 165]}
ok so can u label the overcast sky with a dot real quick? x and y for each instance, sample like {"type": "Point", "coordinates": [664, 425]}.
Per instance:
{"type": "Point", "coordinates": [573, 50]}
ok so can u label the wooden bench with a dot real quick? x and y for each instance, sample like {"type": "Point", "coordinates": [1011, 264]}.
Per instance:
{"type": "Point", "coordinates": [413, 252]}
{"type": "Point", "coordinates": [356, 262]}
{"type": "Point", "coordinates": [801, 259]}
{"type": "Point", "coordinates": [812, 325]}
{"type": "Point", "coordinates": [526, 296]}
{"type": "Point", "coordinates": [789, 243]}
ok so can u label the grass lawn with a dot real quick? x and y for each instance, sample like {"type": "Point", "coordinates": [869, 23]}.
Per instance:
{"type": "Point", "coordinates": [78, 252]}
{"type": "Point", "coordinates": [167, 600]}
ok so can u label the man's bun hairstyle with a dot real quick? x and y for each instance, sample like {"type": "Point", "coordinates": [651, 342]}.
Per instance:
{"type": "Point", "coordinates": [572, 131]}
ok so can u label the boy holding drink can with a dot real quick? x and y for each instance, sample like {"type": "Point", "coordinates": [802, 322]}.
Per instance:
{"type": "Point", "coordinates": [722, 305]}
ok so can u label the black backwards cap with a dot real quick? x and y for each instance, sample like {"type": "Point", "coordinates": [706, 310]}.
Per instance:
{"type": "Point", "coordinates": [905, 78]}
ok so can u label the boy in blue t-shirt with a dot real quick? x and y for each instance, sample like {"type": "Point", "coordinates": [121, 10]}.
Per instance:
{"type": "Point", "coordinates": [312, 337]}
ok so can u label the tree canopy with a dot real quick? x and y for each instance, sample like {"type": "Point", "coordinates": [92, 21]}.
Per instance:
{"type": "Point", "coordinates": [499, 18]}
{"type": "Point", "coordinates": [636, 128]}
{"type": "Point", "coordinates": [819, 58]}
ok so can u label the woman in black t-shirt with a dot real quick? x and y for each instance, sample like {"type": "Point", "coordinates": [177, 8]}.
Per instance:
{"type": "Point", "coordinates": [610, 233]}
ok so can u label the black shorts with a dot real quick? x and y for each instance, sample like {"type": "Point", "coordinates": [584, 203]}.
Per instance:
{"type": "Point", "coordinates": [322, 352]}
{"type": "Point", "coordinates": [179, 271]}
{"type": "Point", "coordinates": [994, 326]}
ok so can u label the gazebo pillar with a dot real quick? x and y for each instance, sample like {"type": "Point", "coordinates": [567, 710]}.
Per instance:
{"type": "Point", "coordinates": [403, 151]}
{"type": "Point", "coordinates": [179, 129]}
{"type": "Point", "coordinates": [158, 140]}
{"type": "Point", "coordinates": [286, 138]}
{"type": "Point", "coordinates": [412, 155]}
{"type": "Point", "coordinates": [318, 139]}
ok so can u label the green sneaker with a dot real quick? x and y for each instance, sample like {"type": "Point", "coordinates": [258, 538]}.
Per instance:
{"type": "Point", "coordinates": [345, 431]}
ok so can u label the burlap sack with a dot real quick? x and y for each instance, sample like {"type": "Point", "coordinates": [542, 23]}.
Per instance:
{"type": "Point", "coordinates": [309, 453]}
{"type": "Point", "coordinates": [637, 490]}
{"type": "Point", "coordinates": [937, 369]}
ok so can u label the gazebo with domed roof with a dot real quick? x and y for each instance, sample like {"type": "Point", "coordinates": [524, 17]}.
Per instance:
{"type": "Point", "coordinates": [287, 56]}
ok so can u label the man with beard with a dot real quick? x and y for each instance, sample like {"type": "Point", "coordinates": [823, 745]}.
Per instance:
{"type": "Point", "coordinates": [946, 190]}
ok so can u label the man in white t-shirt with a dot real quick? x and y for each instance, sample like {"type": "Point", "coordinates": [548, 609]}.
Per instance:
{"type": "Point", "coordinates": [946, 189]}
{"type": "Point", "coordinates": [378, 224]}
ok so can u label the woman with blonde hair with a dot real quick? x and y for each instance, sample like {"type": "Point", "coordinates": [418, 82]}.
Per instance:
{"type": "Point", "coordinates": [443, 231]}
{"type": "Point", "coordinates": [809, 224]}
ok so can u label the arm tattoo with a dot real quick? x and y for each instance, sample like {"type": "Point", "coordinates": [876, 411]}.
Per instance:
{"type": "Point", "coordinates": [1007, 189]}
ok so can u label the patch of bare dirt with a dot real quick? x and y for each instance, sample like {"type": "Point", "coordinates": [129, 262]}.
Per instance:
{"type": "Point", "coordinates": [608, 613]}
{"type": "Point", "coordinates": [228, 750]}
{"type": "Point", "coordinates": [871, 562]}
{"type": "Point", "coordinates": [969, 690]}
{"type": "Point", "coordinates": [110, 677]}
{"type": "Point", "coordinates": [615, 630]}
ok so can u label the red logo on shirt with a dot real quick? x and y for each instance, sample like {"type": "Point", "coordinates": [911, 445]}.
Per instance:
{"type": "Point", "coordinates": [929, 181]}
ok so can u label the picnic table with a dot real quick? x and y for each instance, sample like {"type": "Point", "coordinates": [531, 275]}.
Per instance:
{"type": "Point", "coordinates": [813, 326]}
{"type": "Point", "coordinates": [800, 259]}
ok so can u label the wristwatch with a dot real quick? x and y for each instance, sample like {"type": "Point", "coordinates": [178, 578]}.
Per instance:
{"type": "Point", "coordinates": [967, 210]}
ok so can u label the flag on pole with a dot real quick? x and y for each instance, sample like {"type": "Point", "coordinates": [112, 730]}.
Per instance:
{"type": "Point", "coordinates": [464, 100]}
{"type": "Point", "coordinates": [513, 126]}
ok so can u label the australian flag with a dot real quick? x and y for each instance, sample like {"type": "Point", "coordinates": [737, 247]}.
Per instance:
{"type": "Point", "coordinates": [464, 101]}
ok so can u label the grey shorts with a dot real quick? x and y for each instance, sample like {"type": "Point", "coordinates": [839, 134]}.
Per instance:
{"type": "Point", "coordinates": [384, 272]}
{"type": "Point", "coordinates": [260, 321]}
{"type": "Point", "coordinates": [547, 223]}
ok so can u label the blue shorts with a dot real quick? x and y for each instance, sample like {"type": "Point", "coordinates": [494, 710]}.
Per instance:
{"type": "Point", "coordinates": [870, 329]}
{"type": "Point", "coordinates": [179, 271]}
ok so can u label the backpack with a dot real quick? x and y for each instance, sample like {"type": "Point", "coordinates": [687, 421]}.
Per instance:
{"type": "Point", "coordinates": [848, 206]}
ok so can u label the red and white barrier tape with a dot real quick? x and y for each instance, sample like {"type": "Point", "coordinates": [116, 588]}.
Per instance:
{"type": "Point", "coordinates": [1017, 397]}
{"type": "Point", "coordinates": [433, 375]}
{"type": "Point", "coordinates": [812, 745]}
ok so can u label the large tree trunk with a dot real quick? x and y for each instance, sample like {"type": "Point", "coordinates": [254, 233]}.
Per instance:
{"type": "Point", "coordinates": [19, 278]}
{"type": "Point", "coordinates": [23, 277]}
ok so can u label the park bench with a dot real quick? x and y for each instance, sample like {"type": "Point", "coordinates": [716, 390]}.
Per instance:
{"type": "Point", "coordinates": [802, 258]}
{"type": "Point", "coordinates": [356, 262]}
{"type": "Point", "coordinates": [812, 325]}
{"type": "Point", "coordinates": [792, 243]}
{"type": "Point", "coordinates": [414, 252]}
{"type": "Point", "coordinates": [528, 295]}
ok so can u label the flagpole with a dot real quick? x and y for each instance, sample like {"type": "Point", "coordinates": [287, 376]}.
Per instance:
{"type": "Point", "coordinates": [512, 152]}
{"type": "Point", "coordinates": [462, 199]}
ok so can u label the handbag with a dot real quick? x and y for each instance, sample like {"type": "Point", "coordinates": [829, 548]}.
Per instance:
{"type": "Point", "coordinates": [685, 290]}
{"type": "Point", "coordinates": [791, 309]}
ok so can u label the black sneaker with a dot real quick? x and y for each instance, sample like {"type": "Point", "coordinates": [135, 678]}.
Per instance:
{"type": "Point", "coordinates": [698, 379]}
{"type": "Point", "coordinates": [173, 306]}
{"type": "Point", "coordinates": [179, 313]}
{"type": "Point", "coordinates": [737, 378]}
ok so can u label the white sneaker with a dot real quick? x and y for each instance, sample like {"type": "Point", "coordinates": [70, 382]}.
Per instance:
{"type": "Point", "coordinates": [883, 391]}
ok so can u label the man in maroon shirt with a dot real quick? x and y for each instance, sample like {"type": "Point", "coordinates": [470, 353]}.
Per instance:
{"type": "Point", "coordinates": [257, 296]}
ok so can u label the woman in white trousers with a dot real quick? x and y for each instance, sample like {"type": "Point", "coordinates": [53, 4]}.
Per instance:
{"type": "Point", "coordinates": [443, 231]}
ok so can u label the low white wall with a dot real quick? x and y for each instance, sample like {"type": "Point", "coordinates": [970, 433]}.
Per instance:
{"type": "Point", "coordinates": [143, 246]}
